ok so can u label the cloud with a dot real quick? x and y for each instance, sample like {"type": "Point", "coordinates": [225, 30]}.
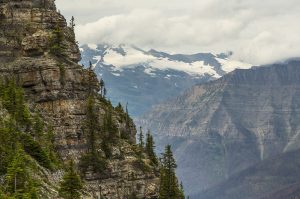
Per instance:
{"type": "Point", "coordinates": [258, 32]}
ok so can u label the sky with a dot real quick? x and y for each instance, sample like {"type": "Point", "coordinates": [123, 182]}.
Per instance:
{"type": "Point", "coordinates": [256, 31]}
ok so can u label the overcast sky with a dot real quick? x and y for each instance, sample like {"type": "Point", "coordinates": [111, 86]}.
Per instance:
{"type": "Point", "coordinates": [257, 31]}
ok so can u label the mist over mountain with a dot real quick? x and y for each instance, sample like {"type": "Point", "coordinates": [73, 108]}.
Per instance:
{"type": "Point", "coordinates": [224, 126]}
{"type": "Point", "coordinates": [274, 178]}
{"type": "Point", "coordinates": [145, 78]}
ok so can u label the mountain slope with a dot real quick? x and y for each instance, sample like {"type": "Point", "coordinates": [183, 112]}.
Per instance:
{"type": "Point", "coordinates": [225, 126]}
{"type": "Point", "coordinates": [145, 78]}
{"type": "Point", "coordinates": [276, 178]}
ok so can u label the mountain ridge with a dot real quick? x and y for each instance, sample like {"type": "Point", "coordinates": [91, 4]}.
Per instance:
{"type": "Point", "coordinates": [145, 78]}
{"type": "Point", "coordinates": [226, 125]}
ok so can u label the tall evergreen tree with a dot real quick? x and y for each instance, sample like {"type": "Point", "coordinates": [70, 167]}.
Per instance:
{"type": "Point", "coordinates": [72, 23]}
{"type": "Point", "coordinates": [150, 147]}
{"type": "Point", "coordinates": [102, 88]}
{"type": "Point", "coordinates": [141, 139]}
{"type": "Point", "coordinates": [181, 191]}
{"type": "Point", "coordinates": [169, 187]}
{"type": "Point", "coordinates": [56, 41]}
{"type": "Point", "coordinates": [71, 185]}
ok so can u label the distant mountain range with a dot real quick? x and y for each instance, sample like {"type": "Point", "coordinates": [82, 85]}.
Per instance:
{"type": "Point", "coordinates": [145, 78]}
{"type": "Point", "coordinates": [220, 128]}
{"type": "Point", "coordinates": [273, 178]}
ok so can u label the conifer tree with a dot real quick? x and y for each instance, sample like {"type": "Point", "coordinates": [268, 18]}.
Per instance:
{"type": "Point", "coordinates": [181, 191]}
{"type": "Point", "coordinates": [18, 181]}
{"type": "Point", "coordinates": [56, 41]}
{"type": "Point", "coordinates": [141, 139]}
{"type": "Point", "coordinates": [150, 147]}
{"type": "Point", "coordinates": [169, 187]}
{"type": "Point", "coordinates": [72, 23]}
{"type": "Point", "coordinates": [16, 172]}
{"type": "Point", "coordinates": [119, 108]}
{"type": "Point", "coordinates": [90, 65]}
{"type": "Point", "coordinates": [102, 88]}
{"type": "Point", "coordinates": [127, 119]}
{"type": "Point", "coordinates": [13, 100]}
{"type": "Point", "coordinates": [71, 185]}
{"type": "Point", "coordinates": [38, 126]}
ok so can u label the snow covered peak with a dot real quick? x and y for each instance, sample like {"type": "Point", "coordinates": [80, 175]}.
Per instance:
{"type": "Point", "coordinates": [145, 78]}
{"type": "Point", "coordinates": [123, 57]}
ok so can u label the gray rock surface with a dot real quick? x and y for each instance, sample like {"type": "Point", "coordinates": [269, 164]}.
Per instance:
{"type": "Point", "coordinates": [58, 88]}
{"type": "Point", "coordinates": [225, 126]}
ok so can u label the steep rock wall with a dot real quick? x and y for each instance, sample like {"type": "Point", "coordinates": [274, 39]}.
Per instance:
{"type": "Point", "coordinates": [39, 50]}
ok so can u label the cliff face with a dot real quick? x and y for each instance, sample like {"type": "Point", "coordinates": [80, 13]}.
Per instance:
{"type": "Point", "coordinates": [227, 125]}
{"type": "Point", "coordinates": [39, 50]}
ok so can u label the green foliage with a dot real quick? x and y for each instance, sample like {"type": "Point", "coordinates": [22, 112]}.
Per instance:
{"type": "Point", "coordinates": [72, 23]}
{"type": "Point", "coordinates": [102, 88]}
{"type": "Point", "coordinates": [119, 108]}
{"type": "Point", "coordinates": [95, 161]}
{"type": "Point", "coordinates": [181, 192]}
{"type": "Point", "coordinates": [150, 147]}
{"type": "Point", "coordinates": [169, 187]}
{"type": "Point", "coordinates": [50, 149]}
{"type": "Point", "coordinates": [18, 181]}
{"type": "Point", "coordinates": [124, 117]}
{"type": "Point", "coordinates": [92, 124]}
{"type": "Point", "coordinates": [109, 128]}
{"type": "Point", "coordinates": [71, 185]}
{"type": "Point", "coordinates": [92, 158]}
{"type": "Point", "coordinates": [35, 150]}
{"type": "Point", "coordinates": [38, 126]}
{"type": "Point", "coordinates": [7, 142]}
{"type": "Point", "coordinates": [23, 137]}
{"type": "Point", "coordinates": [12, 98]}
{"type": "Point", "coordinates": [107, 132]}
{"type": "Point", "coordinates": [56, 42]}
{"type": "Point", "coordinates": [141, 139]}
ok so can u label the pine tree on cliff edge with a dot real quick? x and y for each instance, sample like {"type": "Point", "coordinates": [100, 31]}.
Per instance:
{"type": "Point", "coordinates": [141, 139]}
{"type": "Point", "coordinates": [149, 148]}
{"type": "Point", "coordinates": [169, 187]}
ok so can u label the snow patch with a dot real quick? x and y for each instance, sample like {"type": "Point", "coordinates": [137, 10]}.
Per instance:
{"type": "Point", "coordinates": [133, 57]}
{"type": "Point", "coordinates": [116, 74]}
{"type": "Point", "coordinates": [93, 46]}
{"type": "Point", "coordinates": [231, 65]}
{"type": "Point", "coordinates": [195, 68]}
{"type": "Point", "coordinates": [98, 59]}
{"type": "Point", "coordinates": [150, 71]}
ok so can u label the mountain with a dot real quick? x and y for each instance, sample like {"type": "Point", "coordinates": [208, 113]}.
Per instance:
{"type": "Point", "coordinates": [224, 126]}
{"type": "Point", "coordinates": [145, 78]}
{"type": "Point", "coordinates": [274, 178]}
{"type": "Point", "coordinates": [51, 113]}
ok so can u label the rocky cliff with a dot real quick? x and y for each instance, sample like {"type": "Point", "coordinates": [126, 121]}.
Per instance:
{"type": "Point", "coordinates": [40, 52]}
{"type": "Point", "coordinates": [225, 126]}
